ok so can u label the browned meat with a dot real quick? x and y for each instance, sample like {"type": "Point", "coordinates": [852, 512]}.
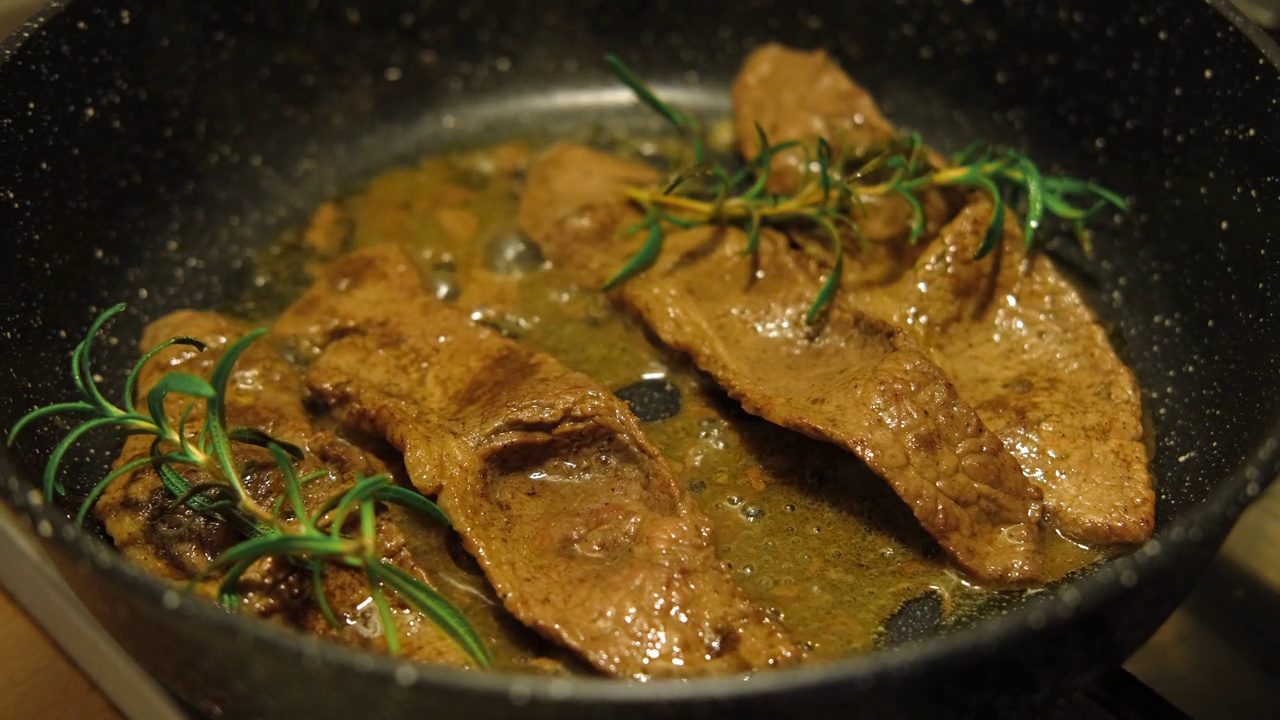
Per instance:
{"type": "Point", "coordinates": [574, 204]}
{"type": "Point", "coordinates": [804, 95]}
{"type": "Point", "coordinates": [1061, 399]}
{"type": "Point", "coordinates": [799, 95]}
{"type": "Point", "coordinates": [858, 382]}
{"type": "Point", "coordinates": [1012, 334]}
{"type": "Point", "coordinates": [173, 542]}
{"type": "Point", "coordinates": [578, 522]}
{"type": "Point", "coordinates": [1022, 346]}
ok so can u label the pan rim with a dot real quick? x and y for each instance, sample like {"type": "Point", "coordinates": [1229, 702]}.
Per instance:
{"type": "Point", "coordinates": [1208, 521]}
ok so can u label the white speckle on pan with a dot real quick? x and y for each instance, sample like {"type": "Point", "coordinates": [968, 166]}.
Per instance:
{"type": "Point", "coordinates": [171, 600]}
{"type": "Point", "coordinates": [560, 689]}
{"type": "Point", "coordinates": [406, 674]}
{"type": "Point", "coordinates": [520, 693]}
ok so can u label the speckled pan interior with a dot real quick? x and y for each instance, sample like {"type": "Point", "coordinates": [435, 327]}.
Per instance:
{"type": "Point", "coordinates": [146, 146]}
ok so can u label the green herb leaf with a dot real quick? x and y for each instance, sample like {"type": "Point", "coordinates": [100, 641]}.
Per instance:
{"type": "Point", "coordinates": [647, 96]}
{"type": "Point", "coordinates": [82, 361]}
{"type": "Point", "coordinates": [131, 381]}
{"type": "Point", "coordinates": [322, 600]}
{"type": "Point", "coordinates": [439, 610]}
{"type": "Point", "coordinates": [67, 408]}
{"type": "Point", "coordinates": [180, 383]}
{"type": "Point", "coordinates": [102, 484]}
{"type": "Point", "coordinates": [643, 259]}
{"type": "Point", "coordinates": [412, 500]}
{"type": "Point", "coordinates": [832, 282]}
{"type": "Point", "coordinates": [253, 436]}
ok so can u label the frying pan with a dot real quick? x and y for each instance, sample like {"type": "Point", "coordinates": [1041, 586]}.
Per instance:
{"type": "Point", "coordinates": [146, 147]}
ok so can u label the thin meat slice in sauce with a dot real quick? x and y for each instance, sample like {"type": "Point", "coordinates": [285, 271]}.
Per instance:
{"type": "Point", "coordinates": [1012, 334]}
{"type": "Point", "coordinates": [1021, 344]}
{"type": "Point", "coordinates": [172, 542]}
{"type": "Point", "coordinates": [579, 523]}
{"type": "Point", "coordinates": [574, 197]}
{"type": "Point", "coordinates": [858, 382]}
{"type": "Point", "coordinates": [798, 95]}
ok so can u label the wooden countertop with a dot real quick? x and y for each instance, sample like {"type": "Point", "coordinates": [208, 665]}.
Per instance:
{"type": "Point", "coordinates": [37, 680]}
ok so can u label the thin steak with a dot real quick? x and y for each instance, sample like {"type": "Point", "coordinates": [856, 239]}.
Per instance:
{"type": "Point", "coordinates": [858, 382]}
{"type": "Point", "coordinates": [1012, 334]}
{"type": "Point", "coordinates": [800, 96]}
{"type": "Point", "coordinates": [579, 523]}
{"type": "Point", "coordinates": [1022, 345]}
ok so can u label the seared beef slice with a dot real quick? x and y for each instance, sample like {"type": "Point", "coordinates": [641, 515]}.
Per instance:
{"type": "Point", "coordinates": [172, 542]}
{"type": "Point", "coordinates": [1014, 336]}
{"type": "Point", "coordinates": [578, 522]}
{"type": "Point", "coordinates": [1022, 346]}
{"type": "Point", "coordinates": [797, 95]}
{"type": "Point", "coordinates": [857, 382]}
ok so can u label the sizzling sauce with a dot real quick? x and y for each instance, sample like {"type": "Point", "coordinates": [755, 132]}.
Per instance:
{"type": "Point", "coordinates": [809, 533]}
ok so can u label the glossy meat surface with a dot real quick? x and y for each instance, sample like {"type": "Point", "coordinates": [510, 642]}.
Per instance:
{"type": "Point", "coordinates": [580, 524]}
{"type": "Point", "coordinates": [1021, 344]}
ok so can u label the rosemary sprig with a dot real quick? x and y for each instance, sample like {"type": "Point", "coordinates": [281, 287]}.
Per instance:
{"type": "Point", "coordinates": [315, 541]}
{"type": "Point", "coordinates": [833, 187]}
{"type": "Point", "coordinates": [686, 123]}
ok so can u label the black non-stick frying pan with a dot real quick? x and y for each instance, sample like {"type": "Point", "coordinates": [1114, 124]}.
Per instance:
{"type": "Point", "coordinates": [145, 147]}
